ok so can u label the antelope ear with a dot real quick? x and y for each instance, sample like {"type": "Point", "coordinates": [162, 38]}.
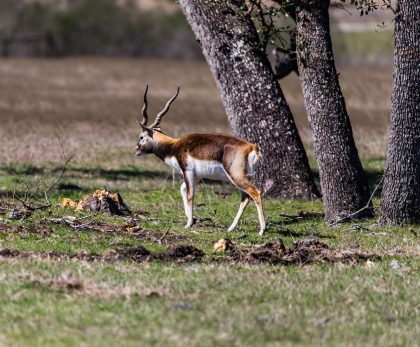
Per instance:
{"type": "Point", "coordinates": [141, 125]}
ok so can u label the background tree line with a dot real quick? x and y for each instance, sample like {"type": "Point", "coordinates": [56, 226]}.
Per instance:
{"type": "Point", "coordinates": [124, 28]}
{"type": "Point", "coordinates": [93, 27]}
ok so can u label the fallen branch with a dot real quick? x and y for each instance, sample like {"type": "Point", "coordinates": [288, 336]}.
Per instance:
{"type": "Point", "coordinates": [163, 237]}
{"type": "Point", "coordinates": [302, 215]}
{"type": "Point", "coordinates": [73, 222]}
{"type": "Point", "coordinates": [351, 215]}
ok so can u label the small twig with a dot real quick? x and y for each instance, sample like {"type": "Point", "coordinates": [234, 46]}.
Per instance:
{"type": "Point", "coordinates": [31, 196]}
{"type": "Point", "coordinates": [358, 211]}
{"type": "Point", "coordinates": [146, 219]}
{"type": "Point", "coordinates": [163, 237]}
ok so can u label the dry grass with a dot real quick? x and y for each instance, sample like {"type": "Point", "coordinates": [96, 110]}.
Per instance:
{"type": "Point", "coordinates": [92, 104]}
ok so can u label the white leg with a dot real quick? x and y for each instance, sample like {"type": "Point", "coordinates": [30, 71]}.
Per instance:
{"type": "Point", "coordinates": [190, 185]}
{"type": "Point", "coordinates": [242, 206]}
{"type": "Point", "coordinates": [261, 218]}
{"type": "Point", "coordinates": [184, 197]}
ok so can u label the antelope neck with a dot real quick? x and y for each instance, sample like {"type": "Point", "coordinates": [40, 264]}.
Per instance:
{"type": "Point", "coordinates": [165, 146]}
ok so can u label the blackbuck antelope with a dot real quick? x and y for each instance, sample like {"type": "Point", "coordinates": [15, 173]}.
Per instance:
{"type": "Point", "coordinates": [196, 156]}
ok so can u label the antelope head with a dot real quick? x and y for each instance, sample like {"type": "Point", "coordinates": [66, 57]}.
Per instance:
{"type": "Point", "coordinates": [149, 136]}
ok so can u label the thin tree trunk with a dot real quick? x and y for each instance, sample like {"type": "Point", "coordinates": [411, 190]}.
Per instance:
{"type": "Point", "coordinates": [401, 190]}
{"type": "Point", "coordinates": [255, 105]}
{"type": "Point", "coordinates": [343, 183]}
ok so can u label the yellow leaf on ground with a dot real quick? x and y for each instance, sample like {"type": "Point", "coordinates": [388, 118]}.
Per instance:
{"type": "Point", "coordinates": [223, 245]}
{"type": "Point", "coordinates": [66, 202]}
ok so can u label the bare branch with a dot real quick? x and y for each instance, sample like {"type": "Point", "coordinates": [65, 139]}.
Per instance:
{"type": "Point", "coordinates": [30, 200]}
{"type": "Point", "coordinates": [367, 206]}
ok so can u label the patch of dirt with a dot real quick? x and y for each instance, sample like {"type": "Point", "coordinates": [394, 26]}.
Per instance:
{"type": "Point", "coordinates": [182, 252]}
{"type": "Point", "coordinates": [175, 253]}
{"type": "Point", "coordinates": [264, 254]}
{"type": "Point", "coordinates": [305, 251]}
{"type": "Point", "coordinates": [137, 254]}
{"type": "Point", "coordinates": [32, 228]}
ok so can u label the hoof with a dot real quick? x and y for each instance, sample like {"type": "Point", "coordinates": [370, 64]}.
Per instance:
{"type": "Point", "coordinates": [190, 223]}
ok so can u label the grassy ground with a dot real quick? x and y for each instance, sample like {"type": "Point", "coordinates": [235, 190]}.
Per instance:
{"type": "Point", "coordinates": [121, 302]}
{"type": "Point", "coordinates": [48, 302]}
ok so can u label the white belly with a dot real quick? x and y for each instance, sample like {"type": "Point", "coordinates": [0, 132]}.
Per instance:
{"type": "Point", "coordinates": [173, 163]}
{"type": "Point", "coordinates": [207, 169]}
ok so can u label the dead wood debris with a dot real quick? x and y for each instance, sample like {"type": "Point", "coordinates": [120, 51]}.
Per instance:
{"type": "Point", "coordinates": [101, 201]}
{"type": "Point", "coordinates": [84, 224]}
{"type": "Point", "coordinates": [301, 215]}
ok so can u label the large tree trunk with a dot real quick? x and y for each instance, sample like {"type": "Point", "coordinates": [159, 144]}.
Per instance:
{"type": "Point", "coordinates": [255, 105]}
{"type": "Point", "coordinates": [401, 190]}
{"type": "Point", "coordinates": [343, 183]}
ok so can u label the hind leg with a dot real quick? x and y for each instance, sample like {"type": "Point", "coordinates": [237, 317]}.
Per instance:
{"type": "Point", "coordinates": [256, 196]}
{"type": "Point", "coordinates": [242, 206]}
{"type": "Point", "coordinates": [241, 181]}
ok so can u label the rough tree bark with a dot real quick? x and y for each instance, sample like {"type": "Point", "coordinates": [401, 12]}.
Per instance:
{"type": "Point", "coordinates": [255, 105]}
{"type": "Point", "coordinates": [401, 190]}
{"type": "Point", "coordinates": [343, 183]}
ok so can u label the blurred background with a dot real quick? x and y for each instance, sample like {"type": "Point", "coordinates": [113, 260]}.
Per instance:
{"type": "Point", "coordinates": [76, 69]}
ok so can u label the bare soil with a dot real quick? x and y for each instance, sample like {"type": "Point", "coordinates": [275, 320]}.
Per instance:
{"type": "Point", "coordinates": [302, 252]}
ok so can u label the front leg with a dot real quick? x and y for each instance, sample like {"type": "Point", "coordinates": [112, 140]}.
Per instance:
{"type": "Point", "coordinates": [189, 181]}
{"type": "Point", "coordinates": [184, 197]}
